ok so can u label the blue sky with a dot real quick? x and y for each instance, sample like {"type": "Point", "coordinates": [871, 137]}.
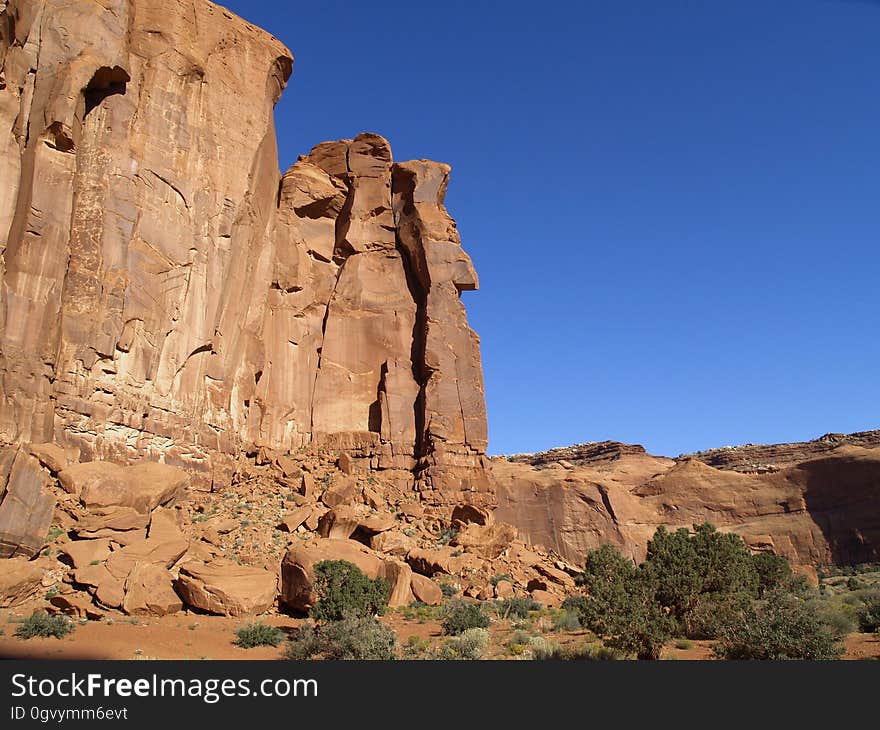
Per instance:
{"type": "Point", "coordinates": [673, 205]}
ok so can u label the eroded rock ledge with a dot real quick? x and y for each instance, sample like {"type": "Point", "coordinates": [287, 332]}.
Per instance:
{"type": "Point", "coordinates": [168, 295]}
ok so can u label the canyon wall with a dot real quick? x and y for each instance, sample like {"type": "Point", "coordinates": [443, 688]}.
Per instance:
{"type": "Point", "coordinates": [168, 295]}
{"type": "Point", "coordinates": [816, 503]}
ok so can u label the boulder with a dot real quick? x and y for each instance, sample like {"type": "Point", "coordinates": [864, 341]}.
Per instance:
{"type": "Point", "coordinates": [487, 541]}
{"type": "Point", "coordinates": [426, 590]}
{"type": "Point", "coordinates": [53, 457]}
{"type": "Point", "coordinates": [27, 505]}
{"type": "Point", "coordinates": [149, 592]}
{"type": "Point", "coordinates": [392, 542]}
{"type": "Point", "coordinates": [293, 519]}
{"type": "Point", "coordinates": [297, 571]}
{"type": "Point", "coordinates": [85, 552]}
{"type": "Point", "coordinates": [343, 491]}
{"type": "Point", "coordinates": [151, 551]}
{"type": "Point", "coordinates": [79, 605]}
{"type": "Point", "coordinates": [120, 524]}
{"type": "Point", "coordinates": [20, 580]}
{"type": "Point", "coordinates": [467, 513]}
{"type": "Point", "coordinates": [226, 588]}
{"type": "Point", "coordinates": [430, 561]}
{"type": "Point", "coordinates": [546, 599]}
{"type": "Point", "coordinates": [143, 487]}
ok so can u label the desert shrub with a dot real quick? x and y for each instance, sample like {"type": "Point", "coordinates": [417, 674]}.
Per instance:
{"type": "Point", "coordinates": [621, 605]}
{"type": "Point", "coordinates": [448, 590]}
{"type": "Point", "coordinates": [343, 590]}
{"type": "Point", "coordinates": [469, 645]}
{"type": "Point", "coordinates": [713, 612]}
{"type": "Point", "coordinates": [683, 567]}
{"type": "Point", "coordinates": [773, 571]}
{"type": "Point", "coordinates": [869, 613]}
{"type": "Point", "coordinates": [566, 621]}
{"type": "Point", "coordinates": [258, 634]}
{"type": "Point", "coordinates": [517, 606]}
{"type": "Point", "coordinates": [496, 579]}
{"type": "Point", "coordinates": [784, 626]}
{"type": "Point", "coordinates": [352, 638]}
{"type": "Point", "coordinates": [684, 644]}
{"type": "Point", "coordinates": [582, 652]}
{"type": "Point", "coordinates": [41, 624]}
{"type": "Point", "coordinates": [461, 615]}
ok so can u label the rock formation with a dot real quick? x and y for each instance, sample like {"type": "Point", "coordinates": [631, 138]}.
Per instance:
{"type": "Point", "coordinates": [168, 295]}
{"type": "Point", "coordinates": [816, 503]}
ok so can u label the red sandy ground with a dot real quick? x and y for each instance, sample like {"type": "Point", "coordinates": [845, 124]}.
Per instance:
{"type": "Point", "coordinates": [194, 636]}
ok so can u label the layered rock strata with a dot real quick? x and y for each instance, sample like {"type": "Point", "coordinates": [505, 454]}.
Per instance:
{"type": "Point", "coordinates": [166, 294]}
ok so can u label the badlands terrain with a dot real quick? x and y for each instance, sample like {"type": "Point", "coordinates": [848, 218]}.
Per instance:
{"type": "Point", "coordinates": [215, 375]}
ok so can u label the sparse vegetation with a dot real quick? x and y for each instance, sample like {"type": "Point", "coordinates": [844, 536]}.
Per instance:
{"type": "Point", "coordinates": [352, 638]}
{"type": "Point", "coordinates": [784, 626]}
{"type": "Point", "coordinates": [448, 590]}
{"type": "Point", "coordinates": [566, 621]}
{"type": "Point", "coordinates": [469, 645]}
{"type": "Point", "coordinates": [258, 634]}
{"type": "Point", "coordinates": [41, 624]}
{"type": "Point", "coordinates": [344, 591]}
{"type": "Point", "coordinates": [460, 615]}
{"type": "Point", "coordinates": [519, 607]}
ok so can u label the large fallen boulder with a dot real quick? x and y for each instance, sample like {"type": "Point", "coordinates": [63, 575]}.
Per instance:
{"type": "Point", "coordinates": [26, 504]}
{"type": "Point", "coordinates": [149, 591]}
{"type": "Point", "coordinates": [429, 561]}
{"type": "Point", "coordinates": [298, 576]}
{"type": "Point", "coordinates": [152, 551]}
{"type": "Point", "coordinates": [226, 588]}
{"type": "Point", "coordinates": [20, 580]}
{"type": "Point", "coordinates": [143, 487]}
{"type": "Point", "coordinates": [487, 541]}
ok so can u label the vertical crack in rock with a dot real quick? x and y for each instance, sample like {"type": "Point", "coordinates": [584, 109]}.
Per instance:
{"type": "Point", "coordinates": [166, 294]}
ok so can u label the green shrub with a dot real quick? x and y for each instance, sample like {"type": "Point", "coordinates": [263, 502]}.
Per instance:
{"type": "Point", "coordinates": [461, 615]}
{"type": "Point", "coordinates": [869, 613]}
{"type": "Point", "coordinates": [584, 652]}
{"type": "Point", "coordinates": [448, 590]}
{"type": "Point", "coordinates": [783, 627]}
{"type": "Point", "coordinates": [496, 579]}
{"type": "Point", "coordinates": [684, 644]}
{"type": "Point", "coordinates": [773, 571]}
{"type": "Point", "coordinates": [343, 590]}
{"type": "Point", "coordinates": [352, 638]}
{"type": "Point", "coordinates": [566, 621]}
{"type": "Point", "coordinates": [621, 605]}
{"type": "Point", "coordinates": [41, 624]}
{"type": "Point", "coordinates": [258, 634]}
{"type": "Point", "coordinates": [714, 612]}
{"type": "Point", "coordinates": [469, 645]}
{"type": "Point", "coordinates": [517, 606]}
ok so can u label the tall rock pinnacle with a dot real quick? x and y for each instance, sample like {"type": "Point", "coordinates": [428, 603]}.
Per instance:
{"type": "Point", "coordinates": [168, 295]}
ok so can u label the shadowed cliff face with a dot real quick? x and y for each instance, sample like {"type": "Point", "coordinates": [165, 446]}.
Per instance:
{"type": "Point", "coordinates": [821, 510]}
{"type": "Point", "coordinates": [167, 294]}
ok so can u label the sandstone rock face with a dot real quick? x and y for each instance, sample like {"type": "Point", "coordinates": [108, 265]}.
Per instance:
{"type": "Point", "coordinates": [822, 510]}
{"type": "Point", "coordinates": [167, 295]}
{"type": "Point", "coordinates": [26, 505]}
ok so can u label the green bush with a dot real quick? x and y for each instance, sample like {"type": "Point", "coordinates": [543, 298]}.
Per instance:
{"type": "Point", "coordinates": [714, 612]}
{"type": "Point", "coordinates": [469, 645]}
{"type": "Point", "coordinates": [258, 634]}
{"type": "Point", "coordinates": [684, 644]}
{"type": "Point", "coordinates": [621, 605]}
{"type": "Point", "coordinates": [784, 626]}
{"type": "Point", "coordinates": [566, 621]}
{"type": "Point", "coordinates": [42, 625]}
{"type": "Point", "coordinates": [461, 615]}
{"type": "Point", "coordinates": [344, 591]}
{"type": "Point", "coordinates": [448, 590]}
{"type": "Point", "coordinates": [773, 571]}
{"type": "Point", "coordinates": [517, 606]}
{"type": "Point", "coordinates": [352, 638]}
{"type": "Point", "coordinates": [869, 613]}
{"type": "Point", "coordinates": [584, 652]}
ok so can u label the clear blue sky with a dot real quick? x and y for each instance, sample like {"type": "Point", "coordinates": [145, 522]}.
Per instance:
{"type": "Point", "coordinates": [673, 206]}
